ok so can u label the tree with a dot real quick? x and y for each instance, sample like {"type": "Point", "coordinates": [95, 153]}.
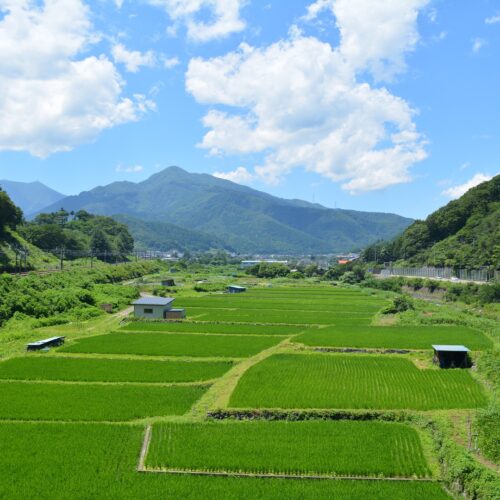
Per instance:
{"type": "Point", "coordinates": [10, 215]}
{"type": "Point", "coordinates": [100, 245]}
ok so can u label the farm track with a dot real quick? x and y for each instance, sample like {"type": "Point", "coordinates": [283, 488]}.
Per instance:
{"type": "Point", "coordinates": [219, 394]}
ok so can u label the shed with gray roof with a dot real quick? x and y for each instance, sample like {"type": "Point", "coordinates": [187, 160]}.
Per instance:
{"type": "Point", "coordinates": [156, 308]}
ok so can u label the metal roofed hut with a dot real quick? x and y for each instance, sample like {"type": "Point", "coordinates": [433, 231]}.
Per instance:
{"type": "Point", "coordinates": [451, 356]}
{"type": "Point", "coordinates": [236, 289]}
{"type": "Point", "coordinates": [157, 308]}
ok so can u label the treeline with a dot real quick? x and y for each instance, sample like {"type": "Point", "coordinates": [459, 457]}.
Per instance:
{"type": "Point", "coordinates": [78, 234]}
{"type": "Point", "coordinates": [61, 297]}
{"type": "Point", "coordinates": [463, 234]}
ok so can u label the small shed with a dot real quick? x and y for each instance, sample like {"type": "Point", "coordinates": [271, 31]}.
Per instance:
{"type": "Point", "coordinates": [168, 282]}
{"type": "Point", "coordinates": [451, 356]}
{"type": "Point", "coordinates": [43, 344]}
{"type": "Point", "coordinates": [236, 289]}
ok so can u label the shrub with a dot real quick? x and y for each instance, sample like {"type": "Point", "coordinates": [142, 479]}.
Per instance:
{"type": "Point", "coordinates": [399, 304]}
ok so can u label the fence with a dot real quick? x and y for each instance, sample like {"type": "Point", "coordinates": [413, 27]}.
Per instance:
{"type": "Point", "coordinates": [479, 275]}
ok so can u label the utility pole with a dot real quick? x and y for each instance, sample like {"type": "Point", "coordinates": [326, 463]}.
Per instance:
{"type": "Point", "coordinates": [61, 256]}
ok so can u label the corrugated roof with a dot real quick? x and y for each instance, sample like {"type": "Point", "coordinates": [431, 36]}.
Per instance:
{"type": "Point", "coordinates": [237, 287]}
{"type": "Point", "coordinates": [153, 301]}
{"type": "Point", "coordinates": [450, 348]}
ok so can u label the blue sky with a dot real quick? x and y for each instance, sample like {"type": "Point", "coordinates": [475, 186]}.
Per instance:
{"type": "Point", "coordinates": [382, 106]}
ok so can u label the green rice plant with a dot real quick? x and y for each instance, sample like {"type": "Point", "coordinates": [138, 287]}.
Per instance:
{"type": "Point", "coordinates": [275, 316]}
{"type": "Point", "coordinates": [92, 402]}
{"type": "Point", "coordinates": [351, 382]}
{"type": "Point", "coordinates": [223, 328]}
{"type": "Point", "coordinates": [110, 370]}
{"type": "Point", "coordinates": [56, 462]}
{"type": "Point", "coordinates": [394, 337]}
{"type": "Point", "coordinates": [174, 344]}
{"type": "Point", "coordinates": [298, 448]}
{"type": "Point", "coordinates": [348, 305]}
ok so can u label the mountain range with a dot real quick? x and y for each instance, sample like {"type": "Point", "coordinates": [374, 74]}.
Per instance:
{"type": "Point", "coordinates": [222, 214]}
{"type": "Point", "coordinates": [31, 196]}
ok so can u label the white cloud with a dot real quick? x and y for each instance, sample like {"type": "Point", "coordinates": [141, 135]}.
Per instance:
{"type": "Point", "coordinates": [457, 191]}
{"type": "Point", "coordinates": [478, 44]}
{"type": "Point", "coordinates": [374, 35]}
{"type": "Point", "coordinates": [170, 62]}
{"type": "Point", "coordinates": [493, 19]}
{"type": "Point", "coordinates": [132, 59]}
{"type": "Point", "coordinates": [240, 175]}
{"type": "Point", "coordinates": [224, 17]}
{"type": "Point", "coordinates": [51, 97]}
{"type": "Point", "coordinates": [135, 169]}
{"type": "Point", "coordinates": [299, 103]}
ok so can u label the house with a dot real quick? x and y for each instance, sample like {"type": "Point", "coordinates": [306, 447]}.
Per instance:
{"type": "Point", "coordinates": [157, 308]}
{"type": "Point", "coordinates": [236, 289]}
{"type": "Point", "coordinates": [451, 356]}
{"type": "Point", "coordinates": [343, 261]}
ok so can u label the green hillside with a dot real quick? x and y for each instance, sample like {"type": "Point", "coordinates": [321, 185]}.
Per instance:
{"type": "Point", "coordinates": [241, 218]}
{"type": "Point", "coordinates": [464, 233]}
{"type": "Point", "coordinates": [164, 236]}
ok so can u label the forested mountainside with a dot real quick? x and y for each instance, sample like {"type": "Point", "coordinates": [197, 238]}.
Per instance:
{"type": "Point", "coordinates": [241, 218]}
{"type": "Point", "coordinates": [464, 233]}
{"type": "Point", "coordinates": [164, 236]}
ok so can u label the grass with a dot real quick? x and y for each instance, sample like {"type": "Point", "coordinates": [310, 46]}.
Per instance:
{"type": "Point", "coordinates": [51, 461]}
{"type": "Point", "coordinates": [351, 382]}
{"type": "Point", "coordinates": [235, 329]}
{"type": "Point", "coordinates": [312, 447]}
{"type": "Point", "coordinates": [110, 370]}
{"type": "Point", "coordinates": [174, 344]}
{"type": "Point", "coordinates": [395, 337]}
{"type": "Point", "coordinates": [92, 402]}
{"type": "Point", "coordinates": [277, 316]}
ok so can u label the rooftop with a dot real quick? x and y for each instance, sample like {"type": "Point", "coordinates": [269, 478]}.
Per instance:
{"type": "Point", "coordinates": [153, 301]}
{"type": "Point", "coordinates": [450, 348]}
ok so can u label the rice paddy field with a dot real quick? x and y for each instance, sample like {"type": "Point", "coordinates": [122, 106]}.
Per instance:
{"type": "Point", "coordinates": [74, 423]}
{"type": "Point", "coordinates": [93, 402]}
{"type": "Point", "coordinates": [394, 337]}
{"type": "Point", "coordinates": [290, 316]}
{"type": "Point", "coordinates": [295, 448]}
{"type": "Point", "coordinates": [221, 328]}
{"type": "Point", "coordinates": [110, 370]}
{"type": "Point", "coordinates": [51, 461]}
{"type": "Point", "coordinates": [353, 381]}
{"type": "Point", "coordinates": [175, 344]}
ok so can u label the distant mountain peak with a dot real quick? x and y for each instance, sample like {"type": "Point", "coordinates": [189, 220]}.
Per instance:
{"type": "Point", "coordinates": [31, 196]}
{"type": "Point", "coordinates": [236, 216]}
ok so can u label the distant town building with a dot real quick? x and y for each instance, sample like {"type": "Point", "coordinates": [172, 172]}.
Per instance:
{"type": "Point", "coordinates": [250, 263]}
{"type": "Point", "coordinates": [157, 308]}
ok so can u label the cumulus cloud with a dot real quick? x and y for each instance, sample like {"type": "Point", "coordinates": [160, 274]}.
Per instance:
{"type": "Point", "coordinates": [132, 59]}
{"type": "Point", "coordinates": [52, 98]}
{"type": "Point", "coordinates": [457, 191]}
{"type": "Point", "coordinates": [374, 35]}
{"type": "Point", "coordinates": [493, 19]}
{"type": "Point", "coordinates": [299, 102]}
{"type": "Point", "coordinates": [135, 169]}
{"type": "Point", "coordinates": [240, 175]}
{"type": "Point", "coordinates": [224, 19]}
